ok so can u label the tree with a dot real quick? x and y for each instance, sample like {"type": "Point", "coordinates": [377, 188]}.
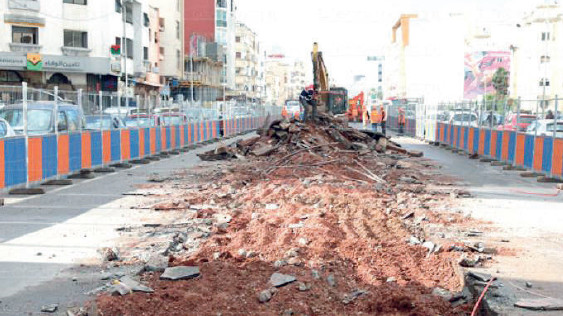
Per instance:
{"type": "Point", "coordinates": [500, 82]}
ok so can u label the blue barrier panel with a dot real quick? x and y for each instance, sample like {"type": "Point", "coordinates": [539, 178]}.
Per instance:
{"type": "Point", "coordinates": [466, 138]}
{"type": "Point", "coordinates": [49, 156]}
{"type": "Point", "coordinates": [205, 132]}
{"type": "Point", "coordinates": [168, 137]}
{"type": "Point", "coordinates": [178, 137]}
{"type": "Point", "coordinates": [458, 136]}
{"type": "Point", "coordinates": [498, 153]}
{"type": "Point", "coordinates": [158, 140]}
{"type": "Point", "coordinates": [547, 154]}
{"type": "Point", "coordinates": [487, 148]}
{"type": "Point", "coordinates": [15, 168]}
{"type": "Point", "coordinates": [134, 141]}
{"type": "Point", "coordinates": [115, 146]}
{"type": "Point", "coordinates": [512, 147]}
{"type": "Point", "coordinates": [187, 139]}
{"type": "Point", "coordinates": [529, 151]}
{"type": "Point", "coordinates": [96, 138]}
{"type": "Point", "coordinates": [147, 140]}
{"type": "Point", "coordinates": [476, 136]}
{"type": "Point", "coordinates": [75, 152]}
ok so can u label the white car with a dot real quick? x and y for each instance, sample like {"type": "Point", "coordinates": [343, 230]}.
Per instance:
{"type": "Point", "coordinates": [5, 129]}
{"type": "Point", "coordinates": [545, 128]}
{"type": "Point", "coordinates": [465, 119]}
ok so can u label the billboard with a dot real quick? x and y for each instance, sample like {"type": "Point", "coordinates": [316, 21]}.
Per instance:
{"type": "Point", "coordinates": [480, 67]}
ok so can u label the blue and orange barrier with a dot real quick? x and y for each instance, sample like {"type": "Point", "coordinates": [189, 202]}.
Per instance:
{"type": "Point", "coordinates": [51, 156]}
{"type": "Point", "coordinates": [541, 153]}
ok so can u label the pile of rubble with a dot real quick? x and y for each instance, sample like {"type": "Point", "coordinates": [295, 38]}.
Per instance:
{"type": "Point", "coordinates": [306, 219]}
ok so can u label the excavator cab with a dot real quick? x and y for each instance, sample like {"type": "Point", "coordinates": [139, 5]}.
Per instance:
{"type": "Point", "coordinates": [328, 100]}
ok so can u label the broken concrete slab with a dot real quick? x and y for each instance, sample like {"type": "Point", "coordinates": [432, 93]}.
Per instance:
{"type": "Point", "coordinates": [119, 289]}
{"type": "Point", "coordinates": [135, 285]}
{"type": "Point", "coordinates": [279, 280]}
{"type": "Point", "coordinates": [483, 277]}
{"type": "Point", "coordinates": [180, 273]}
{"type": "Point", "coordinates": [51, 308]}
{"type": "Point", "coordinates": [58, 182]}
{"type": "Point", "coordinates": [27, 191]}
{"type": "Point", "coordinates": [541, 304]}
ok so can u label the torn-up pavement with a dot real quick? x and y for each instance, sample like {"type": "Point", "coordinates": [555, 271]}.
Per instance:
{"type": "Point", "coordinates": [303, 220]}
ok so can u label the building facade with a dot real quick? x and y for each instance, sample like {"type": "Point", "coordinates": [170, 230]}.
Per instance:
{"type": "Point", "coordinates": [247, 63]}
{"type": "Point", "coordinates": [537, 57]}
{"type": "Point", "coordinates": [278, 72]}
{"type": "Point", "coordinates": [297, 80]}
{"type": "Point", "coordinates": [63, 43]}
{"type": "Point", "coordinates": [213, 20]}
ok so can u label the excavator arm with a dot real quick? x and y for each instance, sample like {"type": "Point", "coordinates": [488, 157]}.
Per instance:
{"type": "Point", "coordinates": [320, 79]}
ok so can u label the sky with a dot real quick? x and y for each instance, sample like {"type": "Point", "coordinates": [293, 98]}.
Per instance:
{"type": "Point", "coordinates": [350, 30]}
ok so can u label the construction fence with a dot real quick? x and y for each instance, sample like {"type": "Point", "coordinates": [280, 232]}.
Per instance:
{"type": "Point", "coordinates": [30, 157]}
{"type": "Point", "coordinates": [523, 133]}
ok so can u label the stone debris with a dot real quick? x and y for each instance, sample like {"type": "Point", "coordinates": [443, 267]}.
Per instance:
{"type": "Point", "coordinates": [349, 298]}
{"type": "Point", "coordinates": [265, 296]}
{"type": "Point", "coordinates": [279, 280]}
{"type": "Point", "coordinates": [51, 308]}
{"type": "Point", "coordinates": [134, 285]}
{"type": "Point", "coordinates": [180, 273]}
{"type": "Point", "coordinates": [541, 304]}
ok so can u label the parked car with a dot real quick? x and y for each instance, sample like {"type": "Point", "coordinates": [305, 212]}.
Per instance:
{"type": "Point", "coordinates": [96, 122]}
{"type": "Point", "coordinates": [545, 128]}
{"type": "Point", "coordinates": [143, 120]}
{"type": "Point", "coordinates": [523, 122]}
{"type": "Point", "coordinates": [5, 129]}
{"type": "Point", "coordinates": [464, 119]}
{"type": "Point", "coordinates": [174, 118]}
{"type": "Point", "coordinates": [41, 117]}
{"type": "Point", "coordinates": [120, 111]}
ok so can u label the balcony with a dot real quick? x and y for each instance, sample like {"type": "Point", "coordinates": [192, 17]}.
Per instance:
{"type": "Point", "coordinates": [25, 48]}
{"type": "Point", "coordinates": [31, 5]}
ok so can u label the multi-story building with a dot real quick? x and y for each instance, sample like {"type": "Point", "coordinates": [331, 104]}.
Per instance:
{"type": "Point", "coordinates": [297, 79]}
{"type": "Point", "coordinates": [68, 43]}
{"type": "Point", "coordinates": [425, 58]}
{"type": "Point", "coordinates": [537, 57]}
{"type": "Point", "coordinates": [170, 39]}
{"type": "Point", "coordinates": [247, 62]}
{"type": "Point", "coordinates": [278, 73]}
{"type": "Point", "coordinates": [215, 21]}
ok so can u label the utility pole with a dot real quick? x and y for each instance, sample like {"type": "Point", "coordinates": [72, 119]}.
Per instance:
{"type": "Point", "coordinates": [124, 51]}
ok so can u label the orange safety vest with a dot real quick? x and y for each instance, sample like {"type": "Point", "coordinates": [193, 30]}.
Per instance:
{"type": "Point", "coordinates": [375, 117]}
{"type": "Point", "coordinates": [401, 118]}
{"type": "Point", "coordinates": [284, 112]}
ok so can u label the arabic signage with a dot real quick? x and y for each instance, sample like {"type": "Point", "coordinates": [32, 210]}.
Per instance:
{"type": "Point", "coordinates": [39, 62]}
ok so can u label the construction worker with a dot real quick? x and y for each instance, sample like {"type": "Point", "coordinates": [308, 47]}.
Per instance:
{"type": "Point", "coordinates": [375, 118]}
{"type": "Point", "coordinates": [306, 99]}
{"type": "Point", "coordinates": [383, 120]}
{"type": "Point", "coordinates": [365, 117]}
{"type": "Point", "coordinates": [402, 121]}
{"type": "Point", "coordinates": [284, 112]}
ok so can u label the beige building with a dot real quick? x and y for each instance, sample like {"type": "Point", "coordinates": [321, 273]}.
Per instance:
{"type": "Point", "coordinates": [297, 79]}
{"type": "Point", "coordinates": [278, 73]}
{"type": "Point", "coordinates": [168, 35]}
{"type": "Point", "coordinates": [247, 63]}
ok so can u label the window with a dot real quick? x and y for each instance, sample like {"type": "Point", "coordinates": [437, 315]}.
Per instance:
{"type": "Point", "coordinates": [9, 76]}
{"type": "Point", "coordinates": [239, 55]}
{"type": "Point", "coordinates": [118, 41]}
{"type": "Point", "coordinates": [118, 6]}
{"type": "Point", "coordinates": [73, 120]}
{"type": "Point", "coordinates": [129, 13]}
{"type": "Point", "coordinates": [61, 122]}
{"type": "Point", "coordinates": [221, 17]}
{"type": "Point", "coordinates": [545, 36]}
{"type": "Point", "coordinates": [162, 51]}
{"type": "Point", "coordinates": [545, 59]}
{"type": "Point", "coordinates": [75, 39]}
{"type": "Point", "coordinates": [544, 82]}
{"type": "Point", "coordinates": [25, 35]}
{"type": "Point", "coordinates": [177, 30]}
{"type": "Point", "coordinates": [145, 53]}
{"type": "Point", "coordinates": [237, 39]}
{"type": "Point", "coordinates": [146, 20]}
{"type": "Point", "coordinates": [129, 43]}
{"type": "Point", "coordinates": [82, 2]}
{"type": "Point", "coordinates": [179, 59]}
{"type": "Point", "coordinates": [222, 4]}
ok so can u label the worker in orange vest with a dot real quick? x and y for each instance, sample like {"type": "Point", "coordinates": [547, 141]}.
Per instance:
{"type": "Point", "coordinates": [375, 118]}
{"type": "Point", "coordinates": [402, 121]}
{"type": "Point", "coordinates": [383, 120]}
{"type": "Point", "coordinates": [284, 112]}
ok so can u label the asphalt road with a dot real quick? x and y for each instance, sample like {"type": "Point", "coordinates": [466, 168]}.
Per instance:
{"type": "Point", "coordinates": [49, 243]}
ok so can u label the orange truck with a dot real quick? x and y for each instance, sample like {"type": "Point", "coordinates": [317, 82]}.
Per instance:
{"type": "Point", "coordinates": [356, 108]}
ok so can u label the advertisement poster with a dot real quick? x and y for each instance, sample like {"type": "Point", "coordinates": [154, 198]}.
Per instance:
{"type": "Point", "coordinates": [480, 67]}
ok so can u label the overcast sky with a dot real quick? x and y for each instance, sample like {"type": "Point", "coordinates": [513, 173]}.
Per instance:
{"type": "Point", "coordinates": [350, 30]}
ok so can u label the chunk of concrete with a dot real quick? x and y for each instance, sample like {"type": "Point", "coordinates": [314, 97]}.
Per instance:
{"type": "Point", "coordinates": [180, 273]}
{"type": "Point", "coordinates": [279, 280]}
{"type": "Point", "coordinates": [541, 304]}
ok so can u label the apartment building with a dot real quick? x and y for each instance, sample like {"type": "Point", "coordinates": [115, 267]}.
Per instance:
{"type": "Point", "coordinates": [247, 63]}
{"type": "Point", "coordinates": [69, 43]}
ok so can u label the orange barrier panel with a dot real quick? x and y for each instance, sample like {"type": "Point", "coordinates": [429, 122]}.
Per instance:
{"type": "Point", "coordinates": [494, 136]}
{"type": "Point", "coordinates": [63, 154]}
{"type": "Point", "coordinates": [162, 139]}
{"type": "Point", "coordinates": [520, 149]}
{"type": "Point", "coordinates": [86, 150]}
{"type": "Point", "coordinates": [173, 137]}
{"type": "Point", "coordinates": [505, 145]}
{"type": "Point", "coordinates": [481, 142]}
{"type": "Point", "coordinates": [141, 142]}
{"type": "Point", "coordinates": [538, 154]}
{"type": "Point", "coordinates": [470, 140]}
{"type": "Point", "coordinates": [182, 138]}
{"type": "Point", "coordinates": [557, 162]}
{"type": "Point", "coordinates": [153, 140]}
{"type": "Point", "coordinates": [125, 144]}
{"type": "Point", "coordinates": [106, 140]}
{"type": "Point", "coordinates": [34, 152]}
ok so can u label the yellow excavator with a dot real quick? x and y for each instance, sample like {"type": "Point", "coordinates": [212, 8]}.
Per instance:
{"type": "Point", "coordinates": [328, 99]}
